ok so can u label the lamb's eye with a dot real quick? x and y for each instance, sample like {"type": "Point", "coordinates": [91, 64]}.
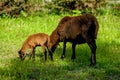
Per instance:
{"type": "Point", "coordinates": [22, 55]}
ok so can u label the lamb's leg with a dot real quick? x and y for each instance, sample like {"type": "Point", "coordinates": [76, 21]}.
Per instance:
{"type": "Point", "coordinates": [64, 49]}
{"type": "Point", "coordinates": [45, 53]}
{"type": "Point", "coordinates": [73, 51]}
{"type": "Point", "coordinates": [32, 52]}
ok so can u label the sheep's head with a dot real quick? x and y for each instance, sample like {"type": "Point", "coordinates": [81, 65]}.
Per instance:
{"type": "Point", "coordinates": [53, 41]}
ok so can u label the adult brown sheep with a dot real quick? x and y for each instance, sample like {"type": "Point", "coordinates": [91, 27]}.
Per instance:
{"type": "Point", "coordinates": [77, 30]}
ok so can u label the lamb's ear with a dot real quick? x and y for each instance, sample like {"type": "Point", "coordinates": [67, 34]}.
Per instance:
{"type": "Point", "coordinates": [19, 52]}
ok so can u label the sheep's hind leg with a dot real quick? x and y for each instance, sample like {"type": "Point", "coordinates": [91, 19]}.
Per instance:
{"type": "Point", "coordinates": [92, 44]}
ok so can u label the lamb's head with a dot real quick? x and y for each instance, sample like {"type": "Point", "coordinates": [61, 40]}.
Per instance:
{"type": "Point", "coordinates": [21, 54]}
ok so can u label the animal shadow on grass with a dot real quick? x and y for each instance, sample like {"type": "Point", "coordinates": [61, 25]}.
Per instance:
{"type": "Point", "coordinates": [35, 70]}
{"type": "Point", "coordinates": [82, 54]}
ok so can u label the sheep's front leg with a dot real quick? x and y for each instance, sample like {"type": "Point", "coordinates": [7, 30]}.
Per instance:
{"type": "Point", "coordinates": [73, 51]}
{"type": "Point", "coordinates": [51, 55]}
{"type": "Point", "coordinates": [64, 49]}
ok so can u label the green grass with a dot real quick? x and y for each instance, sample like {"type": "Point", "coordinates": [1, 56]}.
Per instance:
{"type": "Point", "coordinates": [14, 31]}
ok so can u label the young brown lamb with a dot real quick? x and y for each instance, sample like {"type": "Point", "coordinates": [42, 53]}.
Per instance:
{"type": "Point", "coordinates": [77, 30]}
{"type": "Point", "coordinates": [39, 39]}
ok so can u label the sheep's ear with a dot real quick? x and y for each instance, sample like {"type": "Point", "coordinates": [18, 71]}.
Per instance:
{"type": "Point", "coordinates": [58, 33]}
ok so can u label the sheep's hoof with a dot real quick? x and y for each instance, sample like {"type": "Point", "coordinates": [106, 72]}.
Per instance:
{"type": "Point", "coordinates": [73, 58]}
{"type": "Point", "coordinates": [62, 57]}
{"type": "Point", "coordinates": [92, 64]}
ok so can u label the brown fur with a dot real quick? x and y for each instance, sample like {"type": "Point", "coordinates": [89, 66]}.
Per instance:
{"type": "Point", "coordinates": [77, 30]}
{"type": "Point", "coordinates": [39, 39]}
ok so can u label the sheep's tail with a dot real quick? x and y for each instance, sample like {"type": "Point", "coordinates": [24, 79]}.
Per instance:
{"type": "Point", "coordinates": [96, 28]}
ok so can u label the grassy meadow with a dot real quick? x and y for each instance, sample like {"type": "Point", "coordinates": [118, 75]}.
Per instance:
{"type": "Point", "coordinates": [13, 32]}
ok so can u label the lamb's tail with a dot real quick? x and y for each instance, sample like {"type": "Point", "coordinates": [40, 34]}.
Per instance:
{"type": "Point", "coordinates": [46, 42]}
